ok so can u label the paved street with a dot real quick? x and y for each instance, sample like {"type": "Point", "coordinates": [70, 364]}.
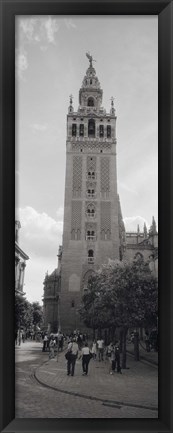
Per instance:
{"type": "Point", "coordinates": [44, 390]}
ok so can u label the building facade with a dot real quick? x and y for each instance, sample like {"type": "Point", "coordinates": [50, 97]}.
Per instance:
{"type": "Point", "coordinates": [20, 262]}
{"type": "Point", "coordinates": [93, 230]}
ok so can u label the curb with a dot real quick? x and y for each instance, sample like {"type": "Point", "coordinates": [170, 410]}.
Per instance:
{"type": "Point", "coordinates": [144, 360]}
{"type": "Point", "coordinates": [113, 403]}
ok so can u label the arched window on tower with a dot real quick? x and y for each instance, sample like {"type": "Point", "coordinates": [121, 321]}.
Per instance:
{"type": "Point", "coordinates": [90, 211]}
{"type": "Point", "coordinates": [90, 100]}
{"type": "Point", "coordinates": [108, 131]}
{"type": "Point", "coordinates": [90, 193]}
{"type": "Point", "coordinates": [91, 128]}
{"type": "Point", "coordinates": [90, 236]}
{"type": "Point", "coordinates": [91, 175]}
{"type": "Point", "coordinates": [101, 131]}
{"type": "Point", "coordinates": [73, 129]}
{"type": "Point", "coordinates": [81, 130]}
{"type": "Point", "coordinates": [90, 256]}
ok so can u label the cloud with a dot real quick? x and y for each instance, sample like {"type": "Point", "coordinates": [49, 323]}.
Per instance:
{"type": "Point", "coordinates": [40, 235]}
{"type": "Point", "coordinates": [21, 64]}
{"type": "Point", "coordinates": [28, 26]}
{"type": "Point", "coordinates": [41, 127]}
{"type": "Point", "coordinates": [131, 223]}
{"type": "Point", "coordinates": [51, 27]}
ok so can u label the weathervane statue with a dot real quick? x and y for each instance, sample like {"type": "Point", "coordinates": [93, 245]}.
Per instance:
{"type": "Point", "coordinates": [90, 59]}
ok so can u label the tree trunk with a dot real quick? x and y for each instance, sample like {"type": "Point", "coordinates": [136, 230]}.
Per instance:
{"type": "Point", "coordinates": [124, 348]}
{"type": "Point", "coordinates": [121, 340]}
{"type": "Point", "coordinates": [136, 346]}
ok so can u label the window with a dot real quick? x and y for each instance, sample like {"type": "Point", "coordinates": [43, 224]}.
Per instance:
{"type": "Point", "coordinates": [90, 256]}
{"type": "Point", "coordinates": [91, 175]}
{"type": "Point", "coordinates": [73, 129]}
{"type": "Point", "coordinates": [90, 193]}
{"type": "Point", "coordinates": [90, 102]}
{"type": "Point", "coordinates": [90, 81]}
{"type": "Point", "coordinates": [90, 211]}
{"type": "Point", "coordinates": [91, 128]}
{"type": "Point", "coordinates": [101, 130]}
{"type": "Point", "coordinates": [90, 236]}
{"type": "Point", "coordinates": [108, 131]}
{"type": "Point", "coordinates": [72, 304]}
{"type": "Point", "coordinates": [81, 130]}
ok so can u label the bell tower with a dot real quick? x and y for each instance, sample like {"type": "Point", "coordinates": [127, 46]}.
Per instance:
{"type": "Point", "coordinates": [91, 233]}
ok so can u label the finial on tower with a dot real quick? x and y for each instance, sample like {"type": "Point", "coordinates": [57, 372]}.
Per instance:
{"type": "Point", "coordinates": [71, 99]}
{"type": "Point", "coordinates": [70, 108]}
{"type": "Point", "coordinates": [112, 110]}
{"type": "Point", "coordinates": [90, 59]}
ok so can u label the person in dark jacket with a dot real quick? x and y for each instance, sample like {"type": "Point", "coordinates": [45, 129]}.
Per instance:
{"type": "Point", "coordinates": [117, 357]}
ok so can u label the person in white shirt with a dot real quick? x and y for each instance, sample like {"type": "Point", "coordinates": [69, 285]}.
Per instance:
{"type": "Point", "coordinates": [73, 349]}
{"type": "Point", "coordinates": [100, 346]}
{"type": "Point", "coordinates": [86, 356]}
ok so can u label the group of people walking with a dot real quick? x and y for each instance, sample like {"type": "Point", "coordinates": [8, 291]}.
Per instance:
{"type": "Point", "coordinates": [74, 352]}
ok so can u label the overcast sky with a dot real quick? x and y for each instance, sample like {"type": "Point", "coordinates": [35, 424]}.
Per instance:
{"type": "Point", "coordinates": [50, 65]}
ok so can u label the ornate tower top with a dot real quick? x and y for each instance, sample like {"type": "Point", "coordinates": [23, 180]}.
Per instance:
{"type": "Point", "coordinates": [90, 94]}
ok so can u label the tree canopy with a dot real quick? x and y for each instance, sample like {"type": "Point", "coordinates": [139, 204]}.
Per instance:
{"type": "Point", "coordinates": [27, 314]}
{"type": "Point", "coordinates": [121, 295]}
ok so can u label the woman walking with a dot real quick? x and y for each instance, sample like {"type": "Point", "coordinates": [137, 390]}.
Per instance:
{"type": "Point", "coordinates": [86, 356]}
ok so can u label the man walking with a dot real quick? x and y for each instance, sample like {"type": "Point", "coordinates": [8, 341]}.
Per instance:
{"type": "Point", "coordinates": [73, 349]}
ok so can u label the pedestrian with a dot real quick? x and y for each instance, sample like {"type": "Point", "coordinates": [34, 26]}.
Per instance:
{"type": "Point", "coordinates": [45, 341]}
{"type": "Point", "coordinates": [86, 356]}
{"type": "Point", "coordinates": [60, 341]}
{"type": "Point", "coordinates": [100, 346]}
{"type": "Point", "coordinates": [117, 357]}
{"type": "Point", "coordinates": [94, 349]}
{"type": "Point", "coordinates": [71, 361]}
{"type": "Point", "coordinates": [52, 348]}
{"type": "Point", "coordinates": [79, 341]}
{"type": "Point", "coordinates": [111, 357]}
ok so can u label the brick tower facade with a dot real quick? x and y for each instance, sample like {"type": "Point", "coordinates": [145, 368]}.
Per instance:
{"type": "Point", "coordinates": [93, 228]}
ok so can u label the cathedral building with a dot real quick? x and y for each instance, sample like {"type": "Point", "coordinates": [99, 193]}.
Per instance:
{"type": "Point", "coordinates": [93, 230]}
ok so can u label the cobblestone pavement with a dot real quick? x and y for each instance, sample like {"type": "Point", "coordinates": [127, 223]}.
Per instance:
{"type": "Point", "coordinates": [43, 389]}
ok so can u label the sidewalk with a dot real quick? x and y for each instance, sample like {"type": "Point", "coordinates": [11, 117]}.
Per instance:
{"type": "Point", "coordinates": [150, 357]}
{"type": "Point", "coordinates": [137, 385]}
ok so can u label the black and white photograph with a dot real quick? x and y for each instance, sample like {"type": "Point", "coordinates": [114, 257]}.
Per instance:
{"type": "Point", "coordinates": [86, 216]}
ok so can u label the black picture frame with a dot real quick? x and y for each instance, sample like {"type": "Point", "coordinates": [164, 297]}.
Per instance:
{"type": "Point", "coordinates": [8, 10]}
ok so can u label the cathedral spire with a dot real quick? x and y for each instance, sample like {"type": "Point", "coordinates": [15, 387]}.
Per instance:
{"type": "Point", "coordinates": [145, 231]}
{"type": "Point", "coordinates": [153, 229]}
